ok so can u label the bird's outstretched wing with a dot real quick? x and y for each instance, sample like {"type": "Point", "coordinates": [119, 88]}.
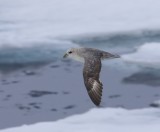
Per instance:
{"type": "Point", "coordinates": [91, 71]}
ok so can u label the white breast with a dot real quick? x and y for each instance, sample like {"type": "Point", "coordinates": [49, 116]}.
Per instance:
{"type": "Point", "coordinates": [77, 58]}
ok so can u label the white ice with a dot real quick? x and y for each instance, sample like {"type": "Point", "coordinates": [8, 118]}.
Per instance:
{"type": "Point", "coordinates": [102, 120]}
{"type": "Point", "coordinates": [26, 22]}
{"type": "Point", "coordinates": [147, 55]}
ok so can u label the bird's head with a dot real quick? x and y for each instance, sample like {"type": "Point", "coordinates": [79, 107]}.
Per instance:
{"type": "Point", "coordinates": [74, 53]}
{"type": "Point", "coordinates": [69, 53]}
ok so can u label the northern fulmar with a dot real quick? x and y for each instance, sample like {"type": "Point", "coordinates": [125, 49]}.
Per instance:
{"type": "Point", "coordinates": [92, 67]}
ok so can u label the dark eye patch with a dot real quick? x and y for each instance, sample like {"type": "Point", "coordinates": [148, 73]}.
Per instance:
{"type": "Point", "coordinates": [70, 52]}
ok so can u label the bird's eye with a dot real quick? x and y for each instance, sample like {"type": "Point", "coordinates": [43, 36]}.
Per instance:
{"type": "Point", "coordinates": [70, 52]}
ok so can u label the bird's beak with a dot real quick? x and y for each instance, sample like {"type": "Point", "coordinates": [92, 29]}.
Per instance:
{"type": "Point", "coordinates": [65, 55]}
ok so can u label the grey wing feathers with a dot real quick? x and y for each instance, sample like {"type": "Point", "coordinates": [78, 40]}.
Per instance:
{"type": "Point", "coordinates": [92, 68]}
{"type": "Point", "coordinates": [95, 93]}
{"type": "Point", "coordinates": [107, 55]}
{"type": "Point", "coordinates": [102, 54]}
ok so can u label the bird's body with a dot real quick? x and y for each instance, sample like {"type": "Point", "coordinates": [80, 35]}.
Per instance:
{"type": "Point", "coordinates": [91, 71]}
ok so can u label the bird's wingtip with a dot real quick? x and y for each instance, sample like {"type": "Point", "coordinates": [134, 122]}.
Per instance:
{"type": "Point", "coordinates": [117, 56]}
{"type": "Point", "coordinates": [110, 56]}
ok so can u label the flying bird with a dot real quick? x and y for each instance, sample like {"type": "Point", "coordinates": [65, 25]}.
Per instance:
{"type": "Point", "coordinates": [92, 67]}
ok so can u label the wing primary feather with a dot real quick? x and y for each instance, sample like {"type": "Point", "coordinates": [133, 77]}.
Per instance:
{"type": "Point", "coordinates": [91, 70]}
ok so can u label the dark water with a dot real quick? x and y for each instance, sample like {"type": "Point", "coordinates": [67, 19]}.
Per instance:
{"type": "Point", "coordinates": [37, 85]}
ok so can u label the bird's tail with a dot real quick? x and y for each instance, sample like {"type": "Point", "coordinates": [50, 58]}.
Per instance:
{"type": "Point", "coordinates": [106, 55]}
